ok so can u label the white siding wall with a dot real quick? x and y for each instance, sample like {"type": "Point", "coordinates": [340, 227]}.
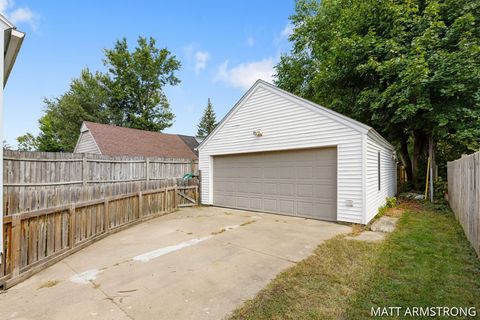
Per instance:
{"type": "Point", "coordinates": [86, 144]}
{"type": "Point", "coordinates": [388, 181]}
{"type": "Point", "coordinates": [287, 125]}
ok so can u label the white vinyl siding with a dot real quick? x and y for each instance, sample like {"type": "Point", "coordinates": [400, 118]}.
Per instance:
{"type": "Point", "coordinates": [288, 125]}
{"type": "Point", "coordinates": [388, 185]}
{"type": "Point", "coordinates": [86, 144]}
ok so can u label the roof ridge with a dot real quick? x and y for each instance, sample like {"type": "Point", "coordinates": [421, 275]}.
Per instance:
{"type": "Point", "coordinates": [129, 128]}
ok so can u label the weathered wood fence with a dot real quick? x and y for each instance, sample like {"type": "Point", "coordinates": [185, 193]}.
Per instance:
{"type": "Point", "coordinates": [31, 178]}
{"type": "Point", "coordinates": [54, 208]}
{"type": "Point", "coordinates": [464, 195]}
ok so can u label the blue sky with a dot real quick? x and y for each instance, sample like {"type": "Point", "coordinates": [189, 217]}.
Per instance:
{"type": "Point", "coordinates": [224, 46]}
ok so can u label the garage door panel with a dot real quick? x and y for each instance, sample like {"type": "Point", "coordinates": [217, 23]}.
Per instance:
{"type": "Point", "coordinates": [286, 189]}
{"type": "Point", "coordinates": [270, 205]}
{"type": "Point", "coordinates": [304, 190]}
{"type": "Point", "coordinates": [325, 172]}
{"type": "Point", "coordinates": [270, 188]}
{"type": "Point", "coordinates": [304, 172]}
{"type": "Point", "coordinates": [324, 191]}
{"type": "Point", "coordinates": [295, 182]}
{"type": "Point", "coordinates": [286, 206]}
{"type": "Point", "coordinates": [305, 208]}
{"type": "Point", "coordinates": [243, 202]}
{"type": "Point", "coordinates": [255, 204]}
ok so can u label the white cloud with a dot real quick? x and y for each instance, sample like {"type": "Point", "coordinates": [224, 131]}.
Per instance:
{"type": "Point", "coordinates": [4, 5]}
{"type": "Point", "coordinates": [201, 58]}
{"type": "Point", "coordinates": [19, 15]}
{"type": "Point", "coordinates": [287, 30]}
{"type": "Point", "coordinates": [244, 75]}
{"type": "Point", "coordinates": [250, 41]}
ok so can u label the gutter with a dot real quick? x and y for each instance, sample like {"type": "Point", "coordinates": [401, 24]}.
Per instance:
{"type": "Point", "coordinates": [12, 43]}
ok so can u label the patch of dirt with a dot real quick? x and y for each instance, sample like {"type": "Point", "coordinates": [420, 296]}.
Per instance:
{"type": "Point", "coordinates": [48, 284]}
{"type": "Point", "coordinates": [356, 229]}
{"type": "Point", "coordinates": [412, 205]}
{"type": "Point", "coordinates": [395, 212]}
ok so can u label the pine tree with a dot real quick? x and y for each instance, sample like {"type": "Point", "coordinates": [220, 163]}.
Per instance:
{"type": "Point", "coordinates": [208, 121]}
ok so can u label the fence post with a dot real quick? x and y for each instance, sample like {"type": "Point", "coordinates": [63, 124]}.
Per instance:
{"type": "Point", "coordinates": [106, 218]}
{"type": "Point", "coordinates": [147, 169]}
{"type": "Point", "coordinates": [196, 195]}
{"type": "Point", "coordinates": [165, 199]}
{"type": "Point", "coordinates": [72, 228]}
{"type": "Point", "coordinates": [174, 206]}
{"type": "Point", "coordinates": [140, 204]}
{"type": "Point", "coordinates": [84, 169]}
{"type": "Point", "coordinates": [16, 244]}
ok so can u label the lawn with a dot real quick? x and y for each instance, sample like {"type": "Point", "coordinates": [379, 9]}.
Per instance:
{"type": "Point", "coordinates": [425, 262]}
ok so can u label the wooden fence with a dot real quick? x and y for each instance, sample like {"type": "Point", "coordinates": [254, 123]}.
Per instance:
{"type": "Point", "coordinates": [464, 195]}
{"type": "Point", "coordinates": [38, 180]}
{"type": "Point", "coordinates": [56, 204]}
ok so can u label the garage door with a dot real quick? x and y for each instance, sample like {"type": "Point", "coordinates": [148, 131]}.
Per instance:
{"type": "Point", "coordinates": [296, 182]}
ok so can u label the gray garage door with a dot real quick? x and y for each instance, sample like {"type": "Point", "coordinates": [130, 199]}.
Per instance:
{"type": "Point", "coordinates": [299, 182]}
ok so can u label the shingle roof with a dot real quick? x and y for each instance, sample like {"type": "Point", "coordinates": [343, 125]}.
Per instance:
{"type": "Point", "coordinates": [121, 141]}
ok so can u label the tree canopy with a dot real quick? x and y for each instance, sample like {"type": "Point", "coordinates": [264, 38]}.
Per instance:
{"type": "Point", "coordinates": [208, 122]}
{"type": "Point", "coordinates": [130, 93]}
{"type": "Point", "coordinates": [410, 69]}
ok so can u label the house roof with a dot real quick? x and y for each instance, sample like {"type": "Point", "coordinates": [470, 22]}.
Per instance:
{"type": "Point", "coordinates": [349, 122]}
{"type": "Point", "coordinates": [121, 141]}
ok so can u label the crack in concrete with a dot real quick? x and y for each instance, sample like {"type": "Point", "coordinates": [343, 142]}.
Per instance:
{"type": "Point", "coordinates": [256, 251]}
{"type": "Point", "coordinates": [96, 286]}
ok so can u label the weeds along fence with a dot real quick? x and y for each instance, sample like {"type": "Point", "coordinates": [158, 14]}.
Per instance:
{"type": "Point", "coordinates": [464, 195]}
{"type": "Point", "coordinates": [58, 203]}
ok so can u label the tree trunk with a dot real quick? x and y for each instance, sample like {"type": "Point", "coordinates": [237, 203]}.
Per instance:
{"type": "Point", "coordinates": [405, 158]}
{"type": "Point", "coordinates": [419, 145]}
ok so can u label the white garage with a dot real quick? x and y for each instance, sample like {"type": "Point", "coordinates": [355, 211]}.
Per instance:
{"type": "Point", "coordinates": [275, 152]}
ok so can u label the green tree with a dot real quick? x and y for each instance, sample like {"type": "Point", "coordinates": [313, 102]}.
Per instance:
{"type": "Point", "coordinates": [129, 94]}
{"type": "Point", "coordinates": [410, 69]}
{"type": "Point", "coordinates": [135, 82]}
{"type": "Point", "coordinates": [86, 100]}
{"type": "Point", "coordinates": [27, 142]}
{"type": "Point", "coordinates": [208, 121]}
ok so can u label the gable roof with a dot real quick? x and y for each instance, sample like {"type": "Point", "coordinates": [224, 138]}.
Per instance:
{"type": "Point", "coordinates": [120, 141]}
{"type": "Point", "coordinates": [349, 122]}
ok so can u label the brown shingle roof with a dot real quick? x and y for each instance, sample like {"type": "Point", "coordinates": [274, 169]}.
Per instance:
{"type": "Point", "coordinates": [121, 141]}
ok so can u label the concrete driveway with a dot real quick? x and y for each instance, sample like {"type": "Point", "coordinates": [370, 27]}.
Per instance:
{"type": "Point", "coordinates": [197, 263]}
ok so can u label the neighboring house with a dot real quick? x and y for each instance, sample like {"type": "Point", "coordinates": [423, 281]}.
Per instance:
{"type": "Point", "coordinates": [120, 141]}
{"type": "Point", "coordinates": [276, 152]}
{"type": "Point", "coordinates": [10, 42]}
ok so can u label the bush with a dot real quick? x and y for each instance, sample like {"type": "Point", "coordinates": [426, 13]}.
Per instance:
{"type": "Point", "coordinates": [391, 202]}
{"type": "Point", "coordinates": [439, 190]}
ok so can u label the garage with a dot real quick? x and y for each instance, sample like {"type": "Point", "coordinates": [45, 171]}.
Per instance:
{"type": "Point", "coordinates": [278, 153]}
{"type": "Point", "coordinates": [295, 182]}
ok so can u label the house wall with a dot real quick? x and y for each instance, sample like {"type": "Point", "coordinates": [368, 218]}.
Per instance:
{"type": "Point", "coordinates": [288, 125]}
{"type": "Point", "coordinates": [2, 44]}
{"type": "Point", "coordinates": [86, 144]}
{"type": "Point", "coordinates": [388, 185]}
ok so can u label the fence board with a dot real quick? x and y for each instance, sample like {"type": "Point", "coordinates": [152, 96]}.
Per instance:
{"type": "Point", "coordinates": [464, 195]}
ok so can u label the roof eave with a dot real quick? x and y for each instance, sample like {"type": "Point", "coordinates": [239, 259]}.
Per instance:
{"type": "Point", "coordinates": [13, 42]}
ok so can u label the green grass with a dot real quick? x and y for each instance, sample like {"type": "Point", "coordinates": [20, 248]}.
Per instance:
{"type": "Point", "coordinates": [426, 262]}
